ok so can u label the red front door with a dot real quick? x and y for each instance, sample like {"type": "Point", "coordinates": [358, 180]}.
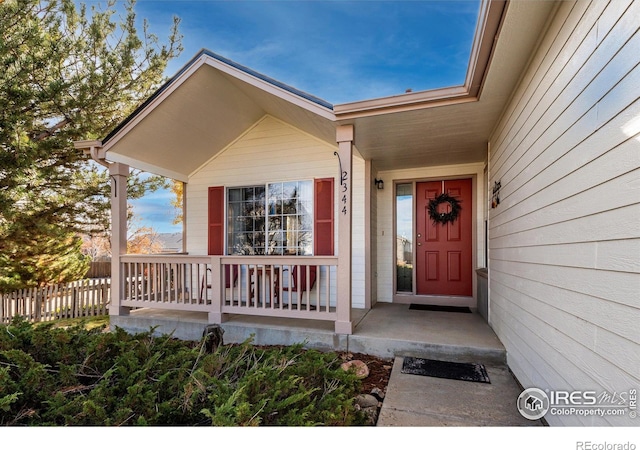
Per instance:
{"type": "Point", "coordinates": [443, 259]}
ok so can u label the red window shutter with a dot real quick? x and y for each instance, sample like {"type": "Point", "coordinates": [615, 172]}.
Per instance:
{"type": "Point", "coordinates": [323, 216]}
{"type": "Point", "coordinates": [216, 220]}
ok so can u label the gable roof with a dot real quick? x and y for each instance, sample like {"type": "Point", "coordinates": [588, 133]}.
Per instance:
{"type": "Point", "coordinates": [205, 107]}
{"type": "Point", "coordinates": [228, 62]}
{"type": "Point", "coordinates": [213, 100]}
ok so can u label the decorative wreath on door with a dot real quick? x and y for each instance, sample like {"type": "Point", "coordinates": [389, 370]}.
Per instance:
{"type": "Point", "coordinates": [444, 218]}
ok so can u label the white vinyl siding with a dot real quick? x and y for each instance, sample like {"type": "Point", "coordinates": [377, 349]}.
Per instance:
{"type": "Point", "coordinates": [358, 234]}
{"type": "Point", "coordinates": [564, 243]}
{"type": "Point", "coordinates": [274, 151]}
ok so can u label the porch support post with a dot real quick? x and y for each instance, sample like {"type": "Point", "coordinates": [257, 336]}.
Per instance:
{"type": "Point", "coordinates": [344, 137]}
{"type": "Point", "coordinates": [215, 313]}
{"type": "Point", "coordinates": [119, 173]}
{"type": "Point", "coordinates": [184, 217]}
{"type": "Point", "coordinates": [368, 188]}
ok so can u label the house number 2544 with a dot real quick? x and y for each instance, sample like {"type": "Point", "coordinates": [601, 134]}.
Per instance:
{"type": "Point", "coordinates": [345, 188]}
{"type": "Point", "coordinates": [344, 182]}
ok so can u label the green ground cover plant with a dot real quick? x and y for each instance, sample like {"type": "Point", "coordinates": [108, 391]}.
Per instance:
{"type": "Point", "coordinates": [76, 375]}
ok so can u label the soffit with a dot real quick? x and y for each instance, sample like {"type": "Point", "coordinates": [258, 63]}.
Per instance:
{"type": "Point", "coordinates": [204, 112]}
{"type": "Point", "coordinates": [321, 125]}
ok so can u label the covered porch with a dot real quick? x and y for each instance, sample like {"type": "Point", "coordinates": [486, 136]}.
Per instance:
{"type": "Point", "coordinates": [217, 281]}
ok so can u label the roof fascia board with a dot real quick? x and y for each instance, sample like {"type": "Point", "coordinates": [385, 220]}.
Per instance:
{"type": "Point", "coordinates": [270, 86]}
{"type": "Point", "coordinates": [406, 102]}
{"type": "Point", "coordinates": [91, 147]}
{"type": "Point", "coordinates": [490, 19]}
{"type": "Point", "coordinates": [87, 144]}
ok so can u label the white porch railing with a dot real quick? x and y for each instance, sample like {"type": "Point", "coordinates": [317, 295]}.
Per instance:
{"type": "Point", "coordinates": [162, 281]}
{"type": "Point", "coordinates": [295, 287]}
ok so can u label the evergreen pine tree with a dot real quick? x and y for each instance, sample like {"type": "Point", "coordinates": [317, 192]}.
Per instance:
{"type": "Point", "coordinates": [66, 75]}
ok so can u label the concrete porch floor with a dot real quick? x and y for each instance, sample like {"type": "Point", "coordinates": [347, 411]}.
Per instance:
{"type": "Point", "coordinates": [386, 331]}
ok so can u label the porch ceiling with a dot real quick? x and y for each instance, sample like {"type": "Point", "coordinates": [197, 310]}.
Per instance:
{"type": "Point", "coordinates": [451, 128]}
{"type": "Point", "coordinates": [207, 108]}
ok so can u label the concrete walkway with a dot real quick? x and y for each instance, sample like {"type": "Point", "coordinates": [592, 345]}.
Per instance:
{"type": "Point", "coordinates": [421, 401]}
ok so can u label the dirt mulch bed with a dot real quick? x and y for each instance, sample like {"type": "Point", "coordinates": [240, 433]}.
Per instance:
{"type": "Point", "coordinates": [379, 371]}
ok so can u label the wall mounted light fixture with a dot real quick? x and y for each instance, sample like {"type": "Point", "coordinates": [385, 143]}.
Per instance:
{"type": "Point", "coordinates": [379, 183]}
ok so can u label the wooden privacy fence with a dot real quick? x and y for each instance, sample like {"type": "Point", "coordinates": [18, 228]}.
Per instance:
{"type": "Point", "coordinates": [83, 298]}
{"type": "Point", "coordinates": [99, 269]}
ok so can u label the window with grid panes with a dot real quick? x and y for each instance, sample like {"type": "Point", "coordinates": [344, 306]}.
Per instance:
{"type": "Point", "coordinates": [272, 220]}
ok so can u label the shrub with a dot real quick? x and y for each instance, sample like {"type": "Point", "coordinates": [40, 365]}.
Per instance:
{"type": "Point", "coordinates": [75, 376]}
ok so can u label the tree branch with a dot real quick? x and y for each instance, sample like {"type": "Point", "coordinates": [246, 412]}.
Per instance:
{"type": "Point", "coordinates": [50, 131]}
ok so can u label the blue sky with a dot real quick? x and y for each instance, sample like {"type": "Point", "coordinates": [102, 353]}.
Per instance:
{"type": "Point", "coordinates": [340, 51]}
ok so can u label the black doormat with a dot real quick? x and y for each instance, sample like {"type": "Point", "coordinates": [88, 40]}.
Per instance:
{"type": "Point", "coordinates": [460, 309]}
{"type": "Point", "coordinates": [445, 369]}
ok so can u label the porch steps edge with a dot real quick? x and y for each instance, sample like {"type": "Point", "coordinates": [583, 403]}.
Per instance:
{"type": "Point", "coordinates": [391, 348]}
{"type": "Point", "coordinates": [235, 334]}
{"type": "Point", "coordinates": [323, 340]}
